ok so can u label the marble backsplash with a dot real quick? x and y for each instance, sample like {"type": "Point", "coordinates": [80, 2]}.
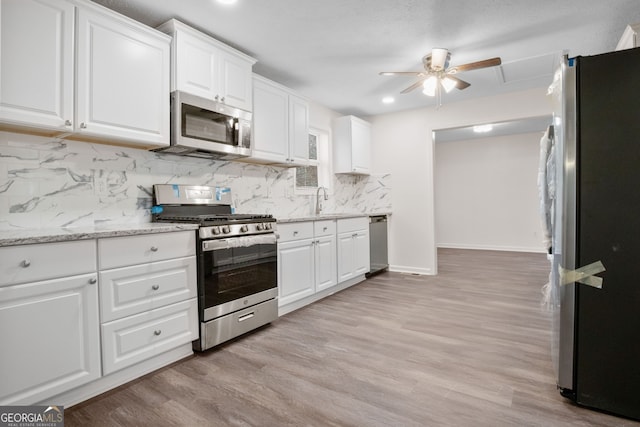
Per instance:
{"type": "Point", "coordinates": [48, 182]}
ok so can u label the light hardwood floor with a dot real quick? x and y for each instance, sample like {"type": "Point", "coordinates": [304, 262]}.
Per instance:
{"type": "Point", "coordinates": [469, 347]}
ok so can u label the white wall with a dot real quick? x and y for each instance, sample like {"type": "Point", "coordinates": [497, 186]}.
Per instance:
{"type": "Point", "coordinates": [402, 145]}
{"type": "Point", "coordinates": [486, 194]}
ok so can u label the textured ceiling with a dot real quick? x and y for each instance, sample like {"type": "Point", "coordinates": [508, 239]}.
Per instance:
{"type": "Point", "coordinates": [332, 50]}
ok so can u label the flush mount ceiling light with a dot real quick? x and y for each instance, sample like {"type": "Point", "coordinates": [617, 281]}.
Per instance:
{"type": "Point", "coordinates": [226, 1]}
{"type": "Point", "coordinates": [388, 100]}
{"type": "Point", "coordinates": [438, 75]}
{"type": "Point", "coordinates": [483, 128]}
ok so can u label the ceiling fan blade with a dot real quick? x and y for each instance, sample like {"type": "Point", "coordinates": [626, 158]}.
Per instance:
{"type": "Point", "coordinates": [460, 84]}
{"type": "Point", "coordinates": [413, 86]}
{"type": "Point", "coordinates": [401, 73]}
{"type": "Point", "coordinates": [475, 65]}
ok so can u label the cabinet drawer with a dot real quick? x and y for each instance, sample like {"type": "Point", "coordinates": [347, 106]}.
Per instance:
{"type": "Point", "coordinates": [324, 228]}
{"type": "Point", "coordinates": [117, 252]}
{"type": "Point", "coordinates": [295, 231]}
{"type": "Point", "coordinates": [133, 339]}
{"type": "Point", "coordinates": [353, 224]}
{"type": "Point", "coordinates": [132, 290]}
{"type": "Point", "coordinates": [30, 263]}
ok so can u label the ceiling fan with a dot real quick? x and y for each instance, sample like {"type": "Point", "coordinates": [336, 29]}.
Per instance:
{"type": "Point", "coordinates": [438, 75]}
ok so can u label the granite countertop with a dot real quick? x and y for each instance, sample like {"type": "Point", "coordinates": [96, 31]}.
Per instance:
{"type": "Point", "coordinates": [45, 235]}
{"type": "Point", "coordinates": [326, 216]}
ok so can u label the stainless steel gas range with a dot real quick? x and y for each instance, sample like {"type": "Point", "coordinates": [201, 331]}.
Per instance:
{"type": "Point", "coordinates": [237, 260]}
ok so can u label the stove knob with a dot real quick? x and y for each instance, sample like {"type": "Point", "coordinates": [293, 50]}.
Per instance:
{"type": "Point", "coordinates": [244, 229]}
{"type": "Point", "coordinates": [268, 226]}
{"type": "Point", "coordinates": [226, 229]}
{"type": "Point", "coordinates": [259, 227]}
{"type": "Point", "coordinates": [215, 230]}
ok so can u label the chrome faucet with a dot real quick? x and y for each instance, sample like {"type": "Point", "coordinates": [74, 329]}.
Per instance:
{"type": "Point", "coordinates": [318, 201]}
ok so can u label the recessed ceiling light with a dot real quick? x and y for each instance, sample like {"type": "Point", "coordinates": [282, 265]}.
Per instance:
{"type": "Point", "coordinates": [226, 1]}
{"type": "Point", "coordinates": [483, 128]}
{"type": "Point", "coordinates": [388, 100]}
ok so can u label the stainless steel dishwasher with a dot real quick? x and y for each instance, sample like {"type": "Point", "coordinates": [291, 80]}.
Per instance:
{"type": "Point", "coordinates": [378, 243]}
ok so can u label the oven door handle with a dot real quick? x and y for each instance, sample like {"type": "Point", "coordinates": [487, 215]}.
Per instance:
{"type": "Point", "coordinates": [239, 242]}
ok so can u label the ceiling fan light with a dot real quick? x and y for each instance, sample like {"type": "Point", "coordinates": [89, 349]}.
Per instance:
{"type": "Point", "coordinates": [429, 86]}
{"type": "Point", "coordinates": [448, 84]}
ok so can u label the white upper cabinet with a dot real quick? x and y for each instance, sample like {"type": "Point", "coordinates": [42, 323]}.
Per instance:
{"type": "Point", "coordinates": [203, 66]}
{"type": "Point", "coordinates": [351, 146]}
{"type": "Point", "coordinates": [36, 67]}
{"type": "Point", "coordinates": [123, 79]}
{"type": "Point", "coordinates": [280, 125]}
{"type": "Point", "coordinates": [106, 78]}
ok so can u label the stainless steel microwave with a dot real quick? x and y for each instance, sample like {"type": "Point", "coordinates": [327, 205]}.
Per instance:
{"type": "Point", "coordinates": [206, 128]}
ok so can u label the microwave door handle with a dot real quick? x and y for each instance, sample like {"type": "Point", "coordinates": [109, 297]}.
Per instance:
{"type": "Point", "coordinates": [236, 132]}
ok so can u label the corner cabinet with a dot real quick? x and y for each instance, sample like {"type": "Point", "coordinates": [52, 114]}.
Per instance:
{"type": "Point", "coordinates": [49, 311]}
{"type": "Point", "coordinates": [351, 146]}
{"type": "Point", "coordinates": [113, 86]}
{"type": "Point", "coordinates": [203, 66]}
{"type": "Point", "coordinates": [280, 125]}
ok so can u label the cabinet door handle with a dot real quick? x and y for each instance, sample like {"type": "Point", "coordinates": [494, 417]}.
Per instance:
{"type": "Point", "coordinates": [157, 332]}
{"type": "Point", "coordinates": [25, 263]}
{"type": "Point", "coordinates": [295, 233]}
{"type": "Point", "coordinates": [155, 287]}
{"type": "Point", "coordinates": [93, 281]}
{"type": "Point", "coordinates": [222, 99]}
{"type": "Point", "coordinates": [154, 249]}
{"type": "Point", "coordinates": [246, 316]}
{"type": "Point", "coordinates": [83, 125]}
{"type": "Point", "coordinates": [67, 122]}
{"type": "Point", "coordinates": [216, 98]}
{"type": "Point", "coordinates": [354, 235]}
{"type": "Point", "coordinates": [324, 228]}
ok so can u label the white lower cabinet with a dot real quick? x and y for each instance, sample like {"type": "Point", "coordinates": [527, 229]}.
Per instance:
{"type": "Point", "coordinates": [296, 262]}
{"type": "Point", "coordinates": [306, 262]}
{"type": "Point", "coordinates": [49, 333]}
{"type": "Point", "coordinates": [353, 248]}
{"type": "Point", "coordinates": [148, 296]}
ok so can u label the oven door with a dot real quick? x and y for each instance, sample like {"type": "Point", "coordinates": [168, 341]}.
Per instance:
{"type": "Point", "coordinates": [236, 273]}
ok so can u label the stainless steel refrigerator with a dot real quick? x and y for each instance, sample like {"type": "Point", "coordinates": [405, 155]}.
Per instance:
{"type": "Point", "coordinates": [597, 219]}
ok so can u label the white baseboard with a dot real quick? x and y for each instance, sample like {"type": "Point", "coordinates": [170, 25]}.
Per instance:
{"type": "Point", "coordinates": [411, 270]}
{"type": "Point", "coordinates": [491, 247]}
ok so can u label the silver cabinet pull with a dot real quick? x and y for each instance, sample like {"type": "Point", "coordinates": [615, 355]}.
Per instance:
{"type": "Point", "coordinates": [295, 233]}
{"type": "Point", "coordinates": [154, 249]}
{"type": "Point", "coordinates": [155, 287]}
{"type": "Point", "coordinates": [222, 99]}
{"type": "Point", "coordinates": [67, 122]}
{"type": "Point", "coordinates": [157, 332]}
{"type": "Point", "coordinates": [217, 97]}
{"type": "Point", "coordinates": [25, 263]}
{"type": "Point", "coordinates": [93, 281]}
{"type": "Point", "coordinates": [83, 125]}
